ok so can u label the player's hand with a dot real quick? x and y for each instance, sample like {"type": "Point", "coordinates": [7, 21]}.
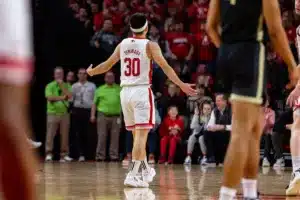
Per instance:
{"type": "Point", "coordinates": [293, 97]}
{"type": "Point", "coordinates": [90, 70]}
{"type": "Point", "coordinates": [187, 88]}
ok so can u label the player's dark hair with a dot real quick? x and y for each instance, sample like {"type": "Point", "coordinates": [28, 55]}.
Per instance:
{"type": "Point", "coordinates": [137, 21]}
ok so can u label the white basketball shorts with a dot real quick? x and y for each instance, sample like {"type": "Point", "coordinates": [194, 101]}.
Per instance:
{"type": "Point", "coordinates": [138, 107]}
{"type": "Point", "coordinates": [15, 42]}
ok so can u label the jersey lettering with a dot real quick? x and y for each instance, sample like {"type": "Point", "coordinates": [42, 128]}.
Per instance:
{"type": "Point", "coordinates": [133, 66]}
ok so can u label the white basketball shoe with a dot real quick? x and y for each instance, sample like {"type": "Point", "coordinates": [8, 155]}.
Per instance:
{"type": "Point", "coordinates": [135, 181]}
{"type": "Point", "coordinates": [294, 187]}
{"type": "Point", "coordinates": [148, 175]}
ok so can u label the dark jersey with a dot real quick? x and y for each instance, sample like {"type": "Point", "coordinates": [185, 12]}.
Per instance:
{"type": "Point", "coordinates": [242, 21]}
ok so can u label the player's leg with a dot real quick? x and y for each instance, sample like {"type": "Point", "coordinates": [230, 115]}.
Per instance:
{"type": "Point", "coordinates": [144, 117]}
{"type": "Point", "coordinates": [249, 180]}
{"type": "Point", "coordinates": [17, 161]}
{"type": "Point", "coordinates": [138, 159]}
{"type": "Point", "coordinates": [139, 146]}
{"type": "Point", "coordinates": [242, 127]}
{"type": "Point", "coordinates": [145, 160]}
{"type": "Point", "coordinates": [294, 186]}
{"type": "Point", "coordinates": [248, 83]}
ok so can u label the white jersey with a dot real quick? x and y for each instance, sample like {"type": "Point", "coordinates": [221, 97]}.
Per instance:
{"type": "Point", "coordinates": [136, 66]}
{"type": "Point", "coordinates": [15, 42]}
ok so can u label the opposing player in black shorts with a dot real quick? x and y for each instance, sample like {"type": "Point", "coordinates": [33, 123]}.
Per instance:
{"type": "Point", "coordinates": [241, 66]}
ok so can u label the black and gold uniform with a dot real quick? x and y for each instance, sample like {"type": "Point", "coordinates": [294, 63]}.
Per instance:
{"type": "Point", "coordinates": [241, 58]}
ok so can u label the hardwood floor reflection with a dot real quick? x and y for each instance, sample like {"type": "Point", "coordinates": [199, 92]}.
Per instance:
{"type": "Point", "coordinates": [104, 181]}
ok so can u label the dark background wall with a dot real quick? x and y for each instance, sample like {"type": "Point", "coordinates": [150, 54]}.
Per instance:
{"type": "Point", "coordinates": [59, 40]}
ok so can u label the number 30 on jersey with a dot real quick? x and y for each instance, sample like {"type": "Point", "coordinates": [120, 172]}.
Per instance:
{"type": "Point", "coordinates": [133, 66]}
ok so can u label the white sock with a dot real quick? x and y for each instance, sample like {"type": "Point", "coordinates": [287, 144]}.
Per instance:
{"type": "Point", "coordinates": [227, 193]}
{"type": "Point", "coordinates": [249, 188]}
{"type": "Point", "coordinates": [296, 163]}
{"type": "Point", "coordinates": [145, 163]}
{"type": "Point", "coordinates": [135, 167]}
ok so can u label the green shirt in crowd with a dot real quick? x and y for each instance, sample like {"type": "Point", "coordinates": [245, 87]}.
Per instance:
{"type": "Point", "coordinates": [56, 107]}
{"type": "Point", "coordinates": [107, 99]}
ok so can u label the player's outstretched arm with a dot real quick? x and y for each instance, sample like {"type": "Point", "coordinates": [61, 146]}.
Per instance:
{"type": "Point", "coordinates": [213, 22]}
{"type": "Point", "coordinates": [277, 34]}
{"type": "Point", "coordinates": [107, 65]}
{"type": "Point", "coordinates": [157, 56]}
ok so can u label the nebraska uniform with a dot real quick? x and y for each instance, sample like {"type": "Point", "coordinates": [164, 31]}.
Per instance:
{"type": "Point", "coordinates": [15, 42]}
{"type": "Point", "coordinates": [136, 74]}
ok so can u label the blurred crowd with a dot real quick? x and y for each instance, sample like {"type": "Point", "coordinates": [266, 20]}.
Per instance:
{"type": "Point", "coordinates": [87, 114]}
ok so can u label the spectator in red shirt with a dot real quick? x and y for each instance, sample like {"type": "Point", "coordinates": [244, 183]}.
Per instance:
{"type": "Point", "coordinates": [136, 6]}
{"type": "Point", "coordinates": [180, 44]}
{"type": "Point", "coordinates": [204, 51]}
{"type": "Point", "coordinates": [154, 11]}
{"type": "Point", "coordinates": [171, 131]}
{"type": "Point", "coordinates": [197, 12]}
{"type": "Point", "coordinates": [123, 11]}
{"type": "Point", "coordinates": [172, 12]}
{"type": "Point", "coordinates": [98, 17]}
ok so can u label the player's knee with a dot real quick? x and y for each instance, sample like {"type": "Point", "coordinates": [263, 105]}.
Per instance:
{"type": "Point", "coordinates": [242, 129]}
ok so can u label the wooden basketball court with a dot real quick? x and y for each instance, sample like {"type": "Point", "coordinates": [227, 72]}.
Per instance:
{"type": "Point", "coordinates": [104, 181]}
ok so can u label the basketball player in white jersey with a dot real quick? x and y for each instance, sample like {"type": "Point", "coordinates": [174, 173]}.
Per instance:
{"type": "Point", "coordinates": [17, 169]}
{"type": "Point", "coordinates": [294, 101]}
{"type": "Point", "coordinates": [136, 55]}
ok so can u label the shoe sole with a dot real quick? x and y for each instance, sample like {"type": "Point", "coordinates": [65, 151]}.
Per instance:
{"type": "Point", "coordinates": [134, 186]}
{"type": "Point", "coordinates": [294, 188]}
